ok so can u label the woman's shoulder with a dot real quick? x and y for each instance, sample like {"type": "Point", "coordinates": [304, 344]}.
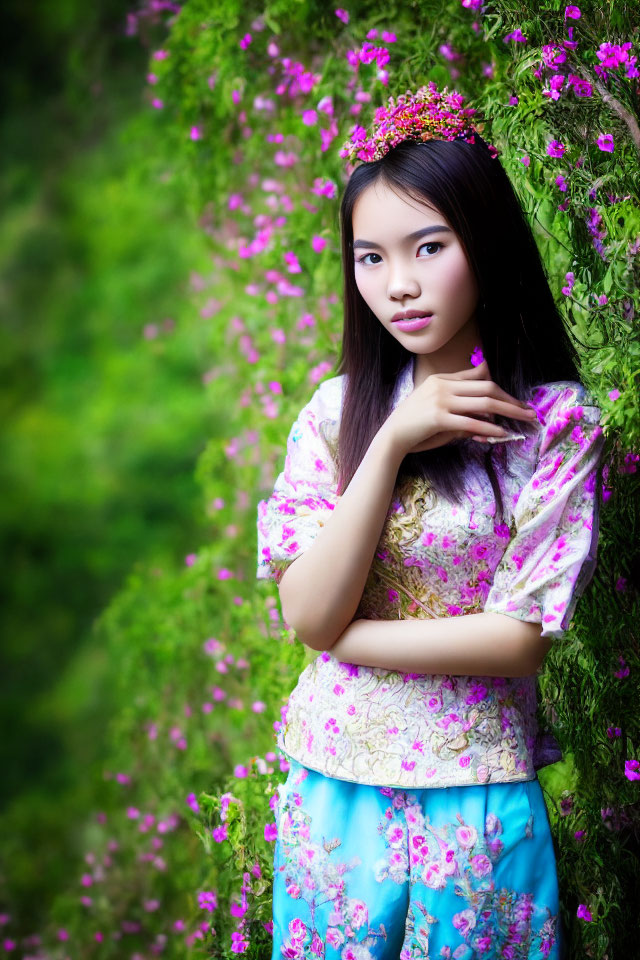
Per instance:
{"type": "Point", "coordinates": [560, 395]}
{"type": "Point", "coordinates": [326, 400]}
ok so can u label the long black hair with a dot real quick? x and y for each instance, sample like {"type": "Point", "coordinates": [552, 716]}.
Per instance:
{"type": "Point", "coordinates": [524, 339]}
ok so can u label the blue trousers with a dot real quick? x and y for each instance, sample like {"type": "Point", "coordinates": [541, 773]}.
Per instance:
{"type": "Point", "coordinates": [378, 873]}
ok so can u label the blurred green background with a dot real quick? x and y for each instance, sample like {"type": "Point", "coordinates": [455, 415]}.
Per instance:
{"type": "Point", "coordinates": [101, 393]}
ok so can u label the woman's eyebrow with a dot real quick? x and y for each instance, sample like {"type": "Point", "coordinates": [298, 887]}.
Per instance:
{"type": "Point", "coordinates": [425, 232]}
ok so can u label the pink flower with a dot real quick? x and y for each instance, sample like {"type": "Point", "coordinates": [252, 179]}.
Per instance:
{"type": "Point", "coordinates": [196, 133]}
{"type": "Point", "coordinates": [613, 394]}
{"type": "Point", "coordinates": [477, 356]}
{"type": "Point", "coordinates": [525, 161]}
{"type": "Point", "coordinates": [318, 243]}
{"type": "Point", "coordinates": [632, 769]}
{"type": "Point", "coordinates": [583, 912]}
{"type": "Point", "coordinates": [572, 13]}
{"type": "Point", "coordinates": [556, 149]}
{"type": "Point", "coordinates": [605, 142]}
{"type": "Point", "coordinates": [270, 832]}
{"type": "Point", "coordinates": [517, 35]}
{"type": "Point", "coordinates": [342, 15]}
{"type": "Point", "coordinates": [219, 833]}
{"type": "Point", "coordinates": [581, 88]}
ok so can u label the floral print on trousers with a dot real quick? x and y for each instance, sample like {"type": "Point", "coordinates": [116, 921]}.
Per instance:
{"type": "Point", "coordinates": [364, 872]}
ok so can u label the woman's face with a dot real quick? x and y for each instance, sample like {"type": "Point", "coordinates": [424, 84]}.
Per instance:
{"type": "Point", "coordinates": [396, 270]}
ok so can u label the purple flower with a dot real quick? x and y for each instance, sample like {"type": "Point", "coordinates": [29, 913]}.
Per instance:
{"type": "Point", "coordinates": [572, 13]}
{"type": "Point", "coordinates": [566, 805]}
{"type": "Point", "coordinates": [555, 87]}
{"type": "Point", "coordinates": [605, 142]}
{"type": "Point", "coordinates": [477, 357]}
{"type": "Point", "coordinates": [583, 912]}
{"type": "Point", "coordinates": [270, 831]}
{"type": "Point", "coordinates": [342, 15]}
{"type": "Point", "coordinates": [207, 900]}
{"type": "Point", "coordinates": [581, 88]}
{"type": "Point", "coordinates": [448, 52]}
{"type": "Point", "coordinates": [556, 149]}
{"type": "Point", "coordinates": [570, 277]}
{"type": "Point", "coordinates": [525, 160]}
{"type": "Point", "coordinates": [623, 671]}
{"type": "Point", "coordinates": [219, 833]}
{"type": "Point", "coordinates": [561, 184]}
{"type": "Point", "coordinates": [517, 35]}
{"type": "Point", "coordinates": [632, 769]}
{"type": "Point", "coordinates": [613, 394]}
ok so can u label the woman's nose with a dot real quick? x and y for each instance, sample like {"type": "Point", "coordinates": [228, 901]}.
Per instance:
{"type": "Point", "coordinates": [401, 283]}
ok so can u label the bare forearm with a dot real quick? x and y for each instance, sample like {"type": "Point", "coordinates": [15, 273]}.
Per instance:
{"type": "Point", "coordinates": [480, 644]}
{"type": "Point", "coordinates": [321, 590]}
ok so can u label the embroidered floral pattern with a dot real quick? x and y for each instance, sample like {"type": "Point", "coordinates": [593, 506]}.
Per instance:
{"type": "Point", "coordinates": [458, 856]}
{"type": "Point", "coordinates": [314, 874]}
{"type": "Point", "coordinates": [437, 879]}
{"type": "Point", "coordinates": [437, 559]}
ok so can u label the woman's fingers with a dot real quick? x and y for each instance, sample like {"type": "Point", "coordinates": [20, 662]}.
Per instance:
{"type": "Point", "coordinates": [487, 406]}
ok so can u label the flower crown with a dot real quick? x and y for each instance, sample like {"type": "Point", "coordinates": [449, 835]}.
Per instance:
{"type": "Point", "coordinates": [429, 114]}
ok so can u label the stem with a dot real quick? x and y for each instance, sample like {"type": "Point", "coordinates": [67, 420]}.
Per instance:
{"type": "Point", "coordinates": [615, 105]}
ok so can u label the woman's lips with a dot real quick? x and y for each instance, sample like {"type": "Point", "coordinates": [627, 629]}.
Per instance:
{"type": "Point", "coordinates": [416, 323]}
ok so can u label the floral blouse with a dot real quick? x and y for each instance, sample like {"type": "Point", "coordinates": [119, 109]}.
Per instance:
{"type": "Point", "coordinates": [438, 559]}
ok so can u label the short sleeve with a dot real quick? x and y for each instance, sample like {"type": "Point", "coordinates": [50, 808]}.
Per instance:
{"type": "Point", "coordinates": [304, 494]}
{"type": "Point", "coordinates": [551, 555]}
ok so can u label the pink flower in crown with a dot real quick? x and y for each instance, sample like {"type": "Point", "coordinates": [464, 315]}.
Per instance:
{"type": "Point", "coordinates": [428, 114]}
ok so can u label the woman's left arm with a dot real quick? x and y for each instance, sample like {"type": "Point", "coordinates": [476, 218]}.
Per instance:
{"type": "Point", "coordinates": [545, 567]}
{"type": "Point", "coordinates": [479, 644]}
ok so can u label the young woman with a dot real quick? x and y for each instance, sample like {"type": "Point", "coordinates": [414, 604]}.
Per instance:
{"type": "Point", "coordinates": [430, 533]}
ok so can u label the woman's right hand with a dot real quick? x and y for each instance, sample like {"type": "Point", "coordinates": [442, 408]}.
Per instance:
{"type": "Point", "coordinates": [450, 406]}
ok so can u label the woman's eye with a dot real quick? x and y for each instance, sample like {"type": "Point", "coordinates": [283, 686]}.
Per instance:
{"type": "Point", "coordinates": [432, 243]}
{"type": "Point", "coordinates": [434, 247]}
